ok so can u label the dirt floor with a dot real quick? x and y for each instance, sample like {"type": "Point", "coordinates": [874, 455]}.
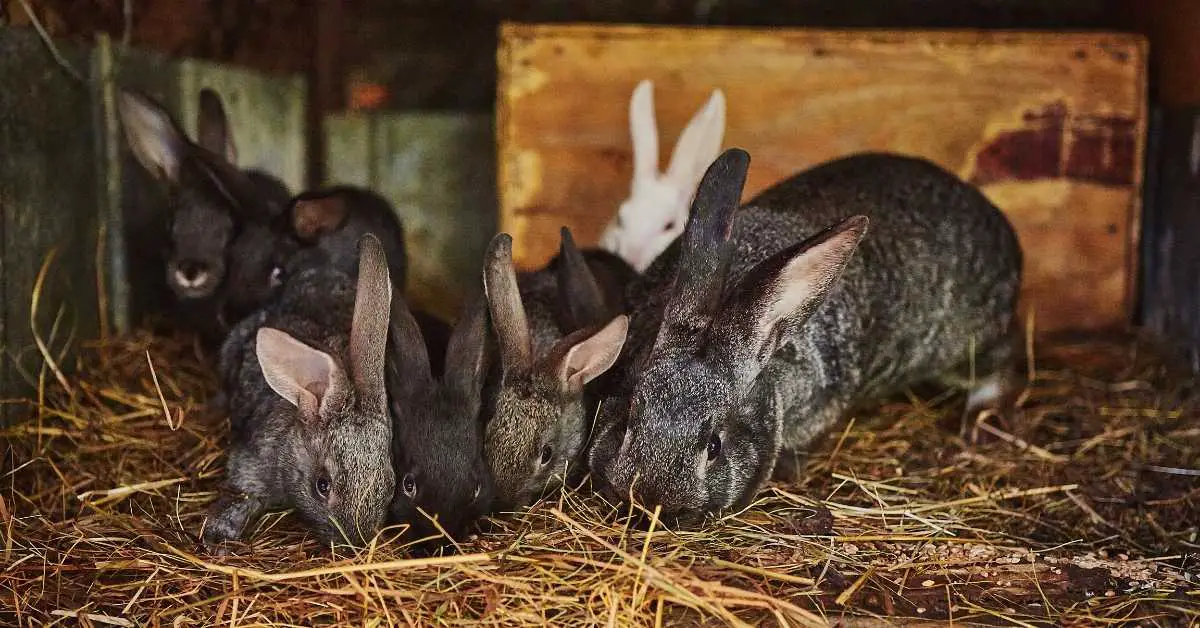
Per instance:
{"type": "Point", "coordinates": [1082, 509]}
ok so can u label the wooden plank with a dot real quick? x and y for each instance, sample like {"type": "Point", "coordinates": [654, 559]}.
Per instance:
{"type": "Point", "coordinates": [136, 226]}
{"type": "Point", "coordinates": [1050, 126]}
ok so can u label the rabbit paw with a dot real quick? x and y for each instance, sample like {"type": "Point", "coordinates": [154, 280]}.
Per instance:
{"type": "Point", "coordinates": [991, 397]}
{"type": "Point", "coordinates": [228, 519]}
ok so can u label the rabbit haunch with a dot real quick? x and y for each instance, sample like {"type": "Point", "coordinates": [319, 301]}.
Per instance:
{"type": "Point", "coordinates": [763, 325]}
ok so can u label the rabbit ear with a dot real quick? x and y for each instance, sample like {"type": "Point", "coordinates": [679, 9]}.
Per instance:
{"type": "Point", "coordinates": [212, 126]}
{"type": "Point", "coordinates": [408, 369]}
{"type": "Point", "coordinates": [578, 290]}
{"type": "Point", "coordinates": [153, 136]}
{"type": "Point", "coordinates": [369, 328]}
{"type": "Point", "coordinates": [467, 352]}
{"type": "Point", "coordinates": [507, 310]}
{"type": "Point", "coordinates": [706, 249]}
{"type": "Point", "coordinates": [785, 288]}
{"type": "Point", "coordinates": [699, 144]}
{"type": "Point", "coordinates": [586, 354]}
{"type": "Point", "coordinates": [303, 376]}
{"type": "Point", "coordinates": [644, 130]}
{"type": "Point", "coordinates": [316, 215]}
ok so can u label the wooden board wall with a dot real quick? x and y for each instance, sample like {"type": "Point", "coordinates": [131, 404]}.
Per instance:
{"type": "Point", "coordinates": [1050, 126]}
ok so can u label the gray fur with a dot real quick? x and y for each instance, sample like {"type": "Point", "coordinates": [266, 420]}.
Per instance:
{"type": "Point", "coordinates": [279, 448]}
{"type": "Point", "coordinates": [541, 413]}
{"type": "Point", "coordinates": [937, 272]}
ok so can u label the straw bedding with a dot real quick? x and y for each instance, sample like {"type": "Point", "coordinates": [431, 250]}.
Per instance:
{"type": "Point", "coordinates": [1081, 510]}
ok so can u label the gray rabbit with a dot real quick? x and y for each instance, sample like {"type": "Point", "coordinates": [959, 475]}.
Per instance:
{"type": "Point", "coordinates": [760, 327]}
{"type": "Point", "coordinates": [572, 334]}
{"type": "Point", "coordinates": [437, 437]}
{"type": "Point", "coordinates": [309, 419]}
{"type": "Point", "coordinates": [210, 205]}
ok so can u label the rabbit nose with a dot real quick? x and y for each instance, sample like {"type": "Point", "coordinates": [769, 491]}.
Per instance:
{"type": "Point", "coordinates": [191, 273]}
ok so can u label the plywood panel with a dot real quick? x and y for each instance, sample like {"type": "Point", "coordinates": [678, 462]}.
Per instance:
{"type": "Point", "coordinates": [1050, 126]}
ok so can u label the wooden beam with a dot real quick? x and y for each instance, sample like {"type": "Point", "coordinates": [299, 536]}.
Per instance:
{"type": "Point", "coordinates": [325, 94]}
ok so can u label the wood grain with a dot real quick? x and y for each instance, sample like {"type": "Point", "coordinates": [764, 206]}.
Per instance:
{"type": "Point", "coordinates": [1050, 126]}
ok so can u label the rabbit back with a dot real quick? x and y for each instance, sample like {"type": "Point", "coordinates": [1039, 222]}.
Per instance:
{"type": "Point", "coordinates": [937, 276]}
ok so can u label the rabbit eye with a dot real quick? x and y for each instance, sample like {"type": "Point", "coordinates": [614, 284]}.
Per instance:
{"type": "Point", "coordinates": [410, 485]}
{"type": "Point", "coordinates": [670, 226]}
{"type": "Point", "coordinates": [322, 487]}
{"type": "Point", "coordinates": [547, 454]}
{"type": "Point", "coordinates": [714, 446]}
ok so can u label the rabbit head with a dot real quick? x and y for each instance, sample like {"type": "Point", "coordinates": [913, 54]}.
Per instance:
{"type": "Point", "coordinates": [442, 485]}
{"type": "Point", "coordinates": [339, 475]}
{"type": "Point", "coordinates": [259, 258]}
{"type": "Point", "coordinates": [208, 197]}
{"type": "Point", "coordinates": [334, 218]}
{"type": "Point", "coordinates": [657, 208]}
{"type": "Point", "coordinates": [689, 442]}
{"type": "Point", "coordinates": [539, 424]}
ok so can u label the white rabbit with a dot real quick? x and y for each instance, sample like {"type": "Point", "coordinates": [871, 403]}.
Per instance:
{"type": "Point", "coordinates": [657, 208]}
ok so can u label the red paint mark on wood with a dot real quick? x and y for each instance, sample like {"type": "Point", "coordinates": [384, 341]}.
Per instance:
{"type": "Point", "coordinates": [1053, 143]}
{"type": "Point", "coordinates": [1102, 150]}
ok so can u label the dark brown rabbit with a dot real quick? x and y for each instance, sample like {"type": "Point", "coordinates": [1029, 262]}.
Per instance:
{"type": "Point", "coordinates": [442, 482]}
{"type": "Point", "coordinates": [210, 204]}
{"type": "Point", "coordinates": [333, 220]}
{"type": "Point", "coordinates": [310, 428]}
{"type": "Point", "coordinates": [763, 325]}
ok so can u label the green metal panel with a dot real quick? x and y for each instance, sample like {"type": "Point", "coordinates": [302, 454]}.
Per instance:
{"type": "Point", "coordinates": [438, 170]}
{"type": "Point", "coordinates": [266, 113]}
{"type": "Point", "coordinates": [48, 191]}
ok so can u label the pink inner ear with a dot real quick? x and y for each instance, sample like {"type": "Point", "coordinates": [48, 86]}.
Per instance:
{"type": "Point", "coordinates": [308, 404]}
{"type": "Point", "coordinates": [316, 388]}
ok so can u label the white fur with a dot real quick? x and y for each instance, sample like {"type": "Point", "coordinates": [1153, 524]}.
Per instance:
{"type": "Point", "coordinates": [657, 208]}
{"type": "Point", "coordinates": [985, 394]}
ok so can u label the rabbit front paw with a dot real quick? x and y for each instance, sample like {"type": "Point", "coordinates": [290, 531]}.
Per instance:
{"type": "Point", "coordinates": [228, 519]}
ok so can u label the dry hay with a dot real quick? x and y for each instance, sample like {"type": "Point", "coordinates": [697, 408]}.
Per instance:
{"type": "Point", "coordinates": [1083, 510]}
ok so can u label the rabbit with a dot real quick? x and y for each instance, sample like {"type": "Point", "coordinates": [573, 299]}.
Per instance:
{"type": "Point", "coordinates": [310, 427]}
{"type": "Point", "coordinates": [657, 208]}
{"type": "Point", "coordinates": [209, 200]}
{"type": "Point", "coordinates": [333, 219]}
{"type": "Point", "coordinates": [539, 418]}
{"type": "Point", "coordinates": [765, 324]}
{"type": "Point", "coordinates": [437, 446]}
